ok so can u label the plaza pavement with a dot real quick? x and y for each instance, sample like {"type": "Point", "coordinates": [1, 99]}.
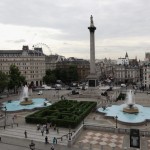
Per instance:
{"type": "Point", "coordinates": [88, 139]}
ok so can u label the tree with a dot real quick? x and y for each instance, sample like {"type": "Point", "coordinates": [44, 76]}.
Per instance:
{"type": "Point", "coordinates": [48, 79]}
{"type": "Point", "coordinates": [66, 75]}
{"type": "Point", "coordinates": [72, 73]}
{"type": "Point", "coordinates": [15, 78]}
{"type": "Point", "coordinates": [3, 81]}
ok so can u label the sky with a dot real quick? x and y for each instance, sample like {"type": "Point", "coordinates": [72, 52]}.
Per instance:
{"type": "Point", "coordinates": [61, 27]}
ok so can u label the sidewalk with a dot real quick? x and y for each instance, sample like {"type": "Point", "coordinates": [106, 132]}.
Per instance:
{"type": "Point", "coordinates": [24, 144]}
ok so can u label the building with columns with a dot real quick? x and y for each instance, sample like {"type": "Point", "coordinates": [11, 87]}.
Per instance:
{"type": "Point", "coordinates": [123, 61]}
{"type": "Point", "coordinates": [146, 71]}
{"type": "Point", "coordinates": [127, 71]}
{"type": "Point", "coordinates": [31, 63]}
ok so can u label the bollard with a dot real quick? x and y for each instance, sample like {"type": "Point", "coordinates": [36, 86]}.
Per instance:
{"type": "Point", "coordinates": [113, 148]}
{"type": "Point", "coordinates": [90, 146]}
{"type": "Point", "coordinates": [101, 147]}
{"type": "Point", "coordinates": [80, 145]}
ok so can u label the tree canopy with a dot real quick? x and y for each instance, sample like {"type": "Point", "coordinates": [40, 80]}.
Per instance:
{"type": "Point", "coordinates": [3, 81]}
{"type": "Point", "coordinates": [66, 75]}
{"type": "Point", "coordinates": [15, 78]}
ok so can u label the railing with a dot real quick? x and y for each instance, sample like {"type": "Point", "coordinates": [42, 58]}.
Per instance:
{"type": "Point", "coordinates": [114, 130]}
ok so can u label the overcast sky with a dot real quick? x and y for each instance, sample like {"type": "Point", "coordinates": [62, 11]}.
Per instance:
{"type": "Point", "coordinates": [60, 26]}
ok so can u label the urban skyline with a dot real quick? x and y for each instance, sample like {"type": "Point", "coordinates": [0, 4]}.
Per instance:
{"type": "Point", "coordinates": [122, 26]}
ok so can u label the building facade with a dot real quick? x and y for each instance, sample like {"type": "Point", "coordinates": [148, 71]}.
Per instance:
{"type": "Point", "coordinates": [83, 66]}
{"type": "Point", "coordinates": [52, 60]}
{"type": "Point", "coordinates": [31, 63]}
{"type": "Point", "coordinates": [146, 71]}
{"type": "Point", "coordinates": [123, 61]}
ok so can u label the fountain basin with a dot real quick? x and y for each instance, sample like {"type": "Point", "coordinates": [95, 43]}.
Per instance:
{"type": "Point", "coordinates": [130, 110]}
{"type": "Point", "coordinates": [36, 103]}
{"type": "Point", "coordinates": [26, 102]}
{"type": "Point", "coordinates": [127, 118]}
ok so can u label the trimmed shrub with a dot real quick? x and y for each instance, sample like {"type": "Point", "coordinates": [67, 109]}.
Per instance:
{"type": "Point", "coordinates": [64, 113]}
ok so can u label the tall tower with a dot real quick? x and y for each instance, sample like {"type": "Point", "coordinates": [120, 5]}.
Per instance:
{"type": "Point", "coordinates": [92, 29]}
{"type": "Point", "coordinates": [92, 78]}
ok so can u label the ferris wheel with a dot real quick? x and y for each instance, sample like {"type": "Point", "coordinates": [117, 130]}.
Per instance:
{"type": "Point", "coordinates": [46, 49]}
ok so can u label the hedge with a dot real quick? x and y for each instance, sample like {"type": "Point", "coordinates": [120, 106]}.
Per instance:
{"type": "Point", "coordinates": [64, 113]}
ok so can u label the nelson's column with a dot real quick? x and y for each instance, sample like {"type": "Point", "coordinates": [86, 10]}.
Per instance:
{"type": "Point", "coordinates": [92, 77]}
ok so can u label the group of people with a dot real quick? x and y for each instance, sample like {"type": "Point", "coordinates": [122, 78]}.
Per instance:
{"type": "Point", "coordinates": [45, 128]}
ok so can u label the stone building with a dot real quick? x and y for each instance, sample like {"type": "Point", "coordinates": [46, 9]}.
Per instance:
{"type": "Point", "coordinates": [147, 56]}
{"type": "Point", "coordinates": [105, 69]}
{"type": "Point", "coordinates": [129, 74]}
{"type": "Point", "coordinates": [123, 61]}
{"type": "Point", "coordinates": [146, 71]}
{"type": "Point", "coordinates": [83, 66]}
{"type": "Point", "coordinates": [31, 63]}
{"type": "Point", "coordinates": [52, 60]}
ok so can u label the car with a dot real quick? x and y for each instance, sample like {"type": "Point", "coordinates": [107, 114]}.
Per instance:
{"type": "Point", "coordinates": [58, 86]}
{"type": "Point", "coordinates": [69, 88]}
{"type": "Point", "coordinates": [123, 85]}
{"type": "Point", "coordinates": [74, 92]}
{"type": "Point", "coordinates": [40, 93]}
{"type": "Point", "coordinates": [148, 92]}
{"type": "Point", "coordinates": [46, 87]}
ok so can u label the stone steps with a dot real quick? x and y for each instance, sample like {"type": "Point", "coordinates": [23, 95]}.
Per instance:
{"type": "Point", "coordinates": [33, 134]}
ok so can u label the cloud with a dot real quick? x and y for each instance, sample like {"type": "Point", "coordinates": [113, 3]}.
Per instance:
{"type": "Point", "coordinates": [122, 23]}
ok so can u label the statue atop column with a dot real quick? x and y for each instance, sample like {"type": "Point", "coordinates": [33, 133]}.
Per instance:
{"type": "Point", "coordinates": [92, 23]}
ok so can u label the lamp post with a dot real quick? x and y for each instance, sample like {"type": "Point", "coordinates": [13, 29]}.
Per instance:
{"type": "Point", "coordinates": [5, 116]}
{"type": "Point", "coordinates": [32, 145]}
{"type": "Point", "coordinates": [116, 120]}
{"type": "Point", "coordinates": [69, 133]}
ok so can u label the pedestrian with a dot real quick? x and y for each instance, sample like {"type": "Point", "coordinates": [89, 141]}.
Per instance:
{"type": "Point", "coordinates": [25, 134]}
{"type": "Point", "coordinates": [47, 130]}
{"type": "Point", "coordinates": [54, 127]}
{"type": "Point", "coordinates": [13, 119]}
{"type": "Point", "coordinates": [52, 147]}
{"type": "Point", "coordinates": [58, 130]}
{"type": "Point", "coordinates": [42, 131]}
{"type": "Point", "coordinates": [46, 140]}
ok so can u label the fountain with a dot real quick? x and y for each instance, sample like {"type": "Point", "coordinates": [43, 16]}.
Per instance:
{"type": "Point", "coordinates": [24, 103]}
{"type": "Point", "coordinates": [25, 97]}
{"type": "Point", "coordinates": [129, 112]}
{"type": "Point", "coordinates": [130, 102]}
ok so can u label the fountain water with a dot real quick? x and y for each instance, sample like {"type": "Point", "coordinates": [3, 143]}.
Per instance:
{"type": "Point", "coordinates": [24, 98]}
{"type": "Point", "coordinates": [25, 103]}
{"type": "Point", "coordinates": [130, 103]}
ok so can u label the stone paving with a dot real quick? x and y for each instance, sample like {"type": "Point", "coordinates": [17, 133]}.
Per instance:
{"type": "Point", "coordinates": [34, 134]}
{"type": "Point", "coordinates": [98, 139]}
{"type": "Point", "coordinates": [88, 138]}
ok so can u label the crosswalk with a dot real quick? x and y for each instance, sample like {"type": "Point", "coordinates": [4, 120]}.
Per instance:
{"type": "Point", "coordinates": [34, 134]}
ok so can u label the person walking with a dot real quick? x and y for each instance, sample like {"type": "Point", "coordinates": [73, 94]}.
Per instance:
{"type": "Point", "coordinates": [52, 147]}
{"type": "Point", "coordinates": [25, 134]}
{"type": "Point", "coordinates": [58, 130]}
{"type": "Point", "coordinates": [46, 140]}
{"type": "Point", "coordinates": [42, 131]}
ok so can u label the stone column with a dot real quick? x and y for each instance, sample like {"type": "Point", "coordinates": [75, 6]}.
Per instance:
{"type": "Point", "coordinates": [92, 29]}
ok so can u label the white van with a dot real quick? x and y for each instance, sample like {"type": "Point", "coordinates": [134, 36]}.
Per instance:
{"type": "Point", "coordinates": [58, 86]}
{"type": "Point", "coordinates": [40, 93]}
{"type": "Point", "coordinates": [46, 87]}
{"type": "Point", "coordinates": [123, 85]}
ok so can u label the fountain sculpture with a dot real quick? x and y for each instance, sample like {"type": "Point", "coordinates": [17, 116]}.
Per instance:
{"type": "Point", "coordinates": [129, 112]}
{"type": "Point", "coordinates": [25, 97]}
{"type": "Point", "coordinates": [130, 103]}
